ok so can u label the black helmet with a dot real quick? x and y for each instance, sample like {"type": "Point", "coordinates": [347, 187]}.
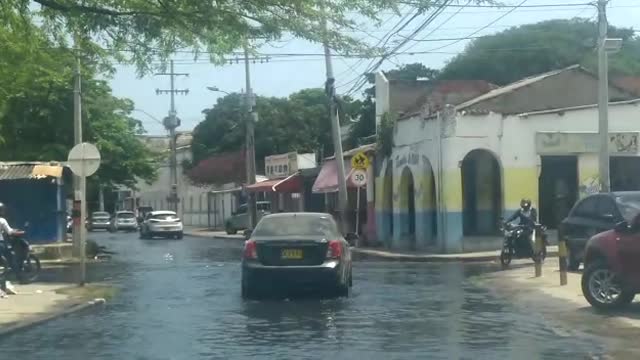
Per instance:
{"type": "Point", "coordinates": [2, 209]}
{"type": "Point", "coordinates": [525, 204]}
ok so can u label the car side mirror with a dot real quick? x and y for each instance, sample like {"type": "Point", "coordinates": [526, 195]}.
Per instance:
{"type": "Point", "coordinates": [622, 227]}
{"type": "Point", "coordinates": [247, 234]}
{"type": "Point", "coordinates": [352, 238]}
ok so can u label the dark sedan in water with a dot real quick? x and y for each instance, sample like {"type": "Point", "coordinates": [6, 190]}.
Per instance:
{"type": "Point", "coordinates": [299, 251]}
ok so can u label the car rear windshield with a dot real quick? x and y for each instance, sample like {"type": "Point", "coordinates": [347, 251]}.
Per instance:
{"type": "Point", "coordinates": [164, 216]}
{"type": "Point", "coordinates": [126, 216]}
{"type": "Point", "coordinates": [297, 226]}
{"type": "Point", "coordinates": [100, 215]}
{"type": "Point", "coordinates": [629, 206]}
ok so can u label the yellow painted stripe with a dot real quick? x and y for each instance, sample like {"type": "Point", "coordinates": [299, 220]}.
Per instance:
{"type": "Point", "coordinates": [520, 183]}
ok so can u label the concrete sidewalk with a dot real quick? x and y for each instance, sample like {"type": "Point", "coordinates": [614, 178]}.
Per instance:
{"type": "Point", "coordinates": [415, 257]}
{"type": "Point", "coordinates": [37, 303]}
{"type": "Point", "coordinates": [565, 304]}
{"type": "Point", "coordinates": [213, 234]}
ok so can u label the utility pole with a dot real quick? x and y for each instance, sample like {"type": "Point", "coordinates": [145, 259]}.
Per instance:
{"type": "Point", "coordinates": [250, 151]}
{"type": "Point", "coordinates": [603, 98]}
{"type": "Point", "coordinates": [101, 197]}
{"type": "Point", "coordinates": [79, 182]}
{"type": "Point", "coordinates": [335, 130]}
{"type": "Point", "coordinates": [170, 123]}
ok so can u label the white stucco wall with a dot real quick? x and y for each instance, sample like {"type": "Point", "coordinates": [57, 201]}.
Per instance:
{"type": "Point", "coordinates": [512, 139]}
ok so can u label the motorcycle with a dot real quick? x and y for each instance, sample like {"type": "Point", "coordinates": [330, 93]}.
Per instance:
{"type": "Point", "coordinates": [515, 246]}
{"type": "Point", "coordinates": [19, 259]}
{"type": "Point", "coordinates": [69, 224]}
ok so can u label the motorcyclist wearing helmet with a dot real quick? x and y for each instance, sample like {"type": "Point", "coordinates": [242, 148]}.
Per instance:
{"type": "Point", "coordinates": [527, 216]}
{"type": "Point", "coordinates": [5, 232]}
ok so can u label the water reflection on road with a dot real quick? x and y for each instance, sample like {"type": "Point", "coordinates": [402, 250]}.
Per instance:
{"type": "Point", "coordinates": [181, 300]}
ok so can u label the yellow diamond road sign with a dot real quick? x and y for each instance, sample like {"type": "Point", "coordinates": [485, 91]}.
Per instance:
{"type": "Point", "coordinates": [360, 161]}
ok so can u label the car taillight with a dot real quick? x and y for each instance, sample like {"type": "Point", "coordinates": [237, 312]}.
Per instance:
{"type": "Point", "coordinates": [250, 250]}
{"type": "Point", "coordinates": [334, 251]}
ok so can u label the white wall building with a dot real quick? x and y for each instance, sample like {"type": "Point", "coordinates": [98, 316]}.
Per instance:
{"type": "Point", "coordinates": [454, 173]}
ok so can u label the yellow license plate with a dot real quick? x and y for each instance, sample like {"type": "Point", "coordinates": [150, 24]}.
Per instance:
{"type": "Point", "coordinates": [291, 254]}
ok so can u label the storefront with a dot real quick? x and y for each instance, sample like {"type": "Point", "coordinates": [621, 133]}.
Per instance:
{"type": "Point", "coordinates": [360, 214]}
{"type": "Point", "coordinates": [284, 188]}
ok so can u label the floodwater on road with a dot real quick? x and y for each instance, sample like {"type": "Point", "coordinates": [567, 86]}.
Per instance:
{"type": "Point", "coordinates": [180, 299]}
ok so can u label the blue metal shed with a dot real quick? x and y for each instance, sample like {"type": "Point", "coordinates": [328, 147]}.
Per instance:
{"type": "Point", "coordinates": [33, 193]}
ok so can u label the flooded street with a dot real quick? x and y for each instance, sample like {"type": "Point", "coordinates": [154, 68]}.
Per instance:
{"type": "Point", "coordinates": [181, 300]}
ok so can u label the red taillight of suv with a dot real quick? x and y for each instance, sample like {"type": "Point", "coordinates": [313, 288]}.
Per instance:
{"type": "Point", "coordinates": [250, 250]}
{"type": "Point", "coordinates": [334, 250]}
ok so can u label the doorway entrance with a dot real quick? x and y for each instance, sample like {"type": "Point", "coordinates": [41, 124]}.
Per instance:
{"type": "Point", "coordinates": [558, 188]}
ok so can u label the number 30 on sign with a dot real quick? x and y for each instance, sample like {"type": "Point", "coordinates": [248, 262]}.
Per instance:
{"type": "Point", "coordinates": [359, 178]}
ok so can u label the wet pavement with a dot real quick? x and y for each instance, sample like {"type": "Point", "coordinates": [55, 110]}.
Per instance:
{"type": "Point", "coordinates": [181, 300]}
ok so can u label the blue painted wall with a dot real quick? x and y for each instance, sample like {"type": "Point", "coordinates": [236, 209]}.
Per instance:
{"type": "Point", "coordinates": [38, 202]}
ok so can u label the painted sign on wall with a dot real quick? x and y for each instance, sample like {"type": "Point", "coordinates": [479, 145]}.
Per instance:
{"type": "Point", "coordinates": [279, 166]}
{"type": "Point", "coordinates": [575, 143]}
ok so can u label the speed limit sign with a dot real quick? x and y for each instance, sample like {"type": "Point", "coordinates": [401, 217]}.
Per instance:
{"type": "Point", "coordinates": [359, 178]}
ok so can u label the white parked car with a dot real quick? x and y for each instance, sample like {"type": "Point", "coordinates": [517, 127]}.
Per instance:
{"type": "Point", "coordinates": [165, 224]}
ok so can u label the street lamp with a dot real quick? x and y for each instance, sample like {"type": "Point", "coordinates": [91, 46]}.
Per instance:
{"type": "Point", "coordinates": [249, 142]}
{"type": "Point", "coordinates": [216, 89]}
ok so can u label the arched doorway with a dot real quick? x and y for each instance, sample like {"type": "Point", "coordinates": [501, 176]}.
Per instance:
{"type": "Point", "coordinates": [387, 202]}
{"type": "Point", "coordinates": [408, 208]}
{"type": "Point", "coordinates": [481, 193]}
{"type": "Point", "coordinates": [431, 204]}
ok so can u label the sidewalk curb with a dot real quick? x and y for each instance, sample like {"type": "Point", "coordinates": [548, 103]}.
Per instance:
{"type": "Point", "coordinates": [432, 258]}
{"type": "Point", "coordinates": [209, 236]}
{"type": "Point", "coordinates": [37, 320]}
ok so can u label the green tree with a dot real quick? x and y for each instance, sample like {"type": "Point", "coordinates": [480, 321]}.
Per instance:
{"type": "Point", "coordinates": [537, 48]}
{"type": "Point", "coordinates": [140, 30]}
{"type": "Point", "coordinates": [297, 123]}
{"type": "Point", "coordinates": [36, 111]}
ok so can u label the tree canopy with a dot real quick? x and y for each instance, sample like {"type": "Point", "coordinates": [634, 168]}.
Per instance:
{"type": "Point", "coordinates": [142, 31]}
{"type": "Point", "coordinates": [36, 111]}
{"type": "Point", "coordinates": [531, 49]}
{"type": "Point", "coordinates": [297, 123]}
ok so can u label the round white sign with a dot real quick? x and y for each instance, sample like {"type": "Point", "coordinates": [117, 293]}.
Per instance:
{"type": "Point", "coordinates": [359, 178]}
{"type": "Point", "coordinates": [84, 159]}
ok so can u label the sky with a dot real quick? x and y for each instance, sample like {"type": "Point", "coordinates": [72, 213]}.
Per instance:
{"type": "Point", "coordinates": [282, 76]}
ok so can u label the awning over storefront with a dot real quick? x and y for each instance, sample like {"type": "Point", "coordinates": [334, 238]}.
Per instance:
{"type": "Point", "coordinates": [291, 184]}
{"type": "Point", "coordinates": [327, 180]}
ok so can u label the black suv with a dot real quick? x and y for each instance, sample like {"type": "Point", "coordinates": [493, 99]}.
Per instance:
{"type": "Point", "coordinates": [592, 215]}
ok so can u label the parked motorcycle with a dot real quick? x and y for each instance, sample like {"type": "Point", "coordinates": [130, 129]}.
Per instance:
{"type": "Point", "coordinates": [69, 224]}
{"type": "Point", "coordinates": [19, 260]}
{"type": "Point", "coordinates": [519, 243]}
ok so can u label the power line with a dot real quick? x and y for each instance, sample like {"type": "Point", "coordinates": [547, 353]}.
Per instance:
{"type": "Point", "coordinates": [482, 28]}
{"type": "Point", "coordinates": [362, 80]}
{"type": "Point", "coordinates": [441, 24]}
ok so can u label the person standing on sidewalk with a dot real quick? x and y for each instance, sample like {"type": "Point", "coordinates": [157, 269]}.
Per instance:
{"type": "Point", "coordinates": [5, 232]}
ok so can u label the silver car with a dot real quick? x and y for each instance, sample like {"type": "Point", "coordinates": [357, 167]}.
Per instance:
{"type": "Point", "coordinates": [123, 221]}
{"type": "Point", "coordinates": [239, 219]}
{"type": "Point", "coordinates": [98, 220]}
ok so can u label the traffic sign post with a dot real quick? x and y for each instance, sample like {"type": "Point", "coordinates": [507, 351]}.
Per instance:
{"type": "Point", "coordinates": [359, 178]}
{"type": "Point", "coordinates": [83, 160]}
{"type": "Point", "coordinates": [360, 161]}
